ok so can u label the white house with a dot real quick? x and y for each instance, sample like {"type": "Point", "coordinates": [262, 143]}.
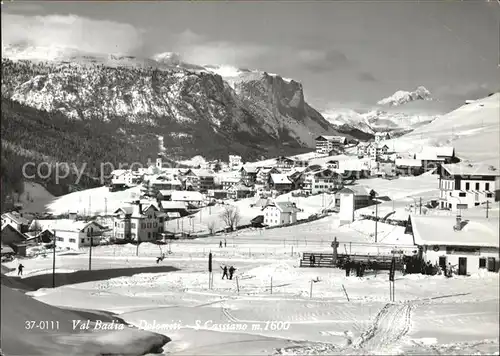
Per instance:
{"type": "Point", "coordinates": [468, 245]}
{"type": "Point", "coordinates": [16, 220]}
{"type": "Point", "coordinates": [320, 181]}
{"type": "Point", "coordinates": [325, 144]}
{"type": "Point", "coordinates": [234, 161]}
{"type": "Point", "coordinates": [464, 185]}
{"type": "Point", "coordinates": [138, 222]}
{"type": "Point", "coordinates": [280, 213]}
{"type": "Point", "coordinates": [73, 234]}
{"type": "Point", "coordinates": [228, 182]}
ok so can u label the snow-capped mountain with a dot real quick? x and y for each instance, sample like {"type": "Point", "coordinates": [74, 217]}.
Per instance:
{"type": "Point", "coordinates": [191, 106]}
{"type": "Point", "coordinates": [348, 117]}
{"type": "Point", "coordinates": [402, 97]}
{"type": "Point", "coordinates": [377, 120]}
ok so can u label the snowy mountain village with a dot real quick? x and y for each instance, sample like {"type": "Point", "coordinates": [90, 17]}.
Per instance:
{"type": "Point", "coordinates": [366, 194]}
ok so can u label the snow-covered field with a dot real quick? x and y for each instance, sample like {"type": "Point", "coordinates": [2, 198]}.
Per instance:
{"type": "Point", "coordinates": [431, 315]}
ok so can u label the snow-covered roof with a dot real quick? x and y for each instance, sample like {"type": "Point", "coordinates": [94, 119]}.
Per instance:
{"type": "Point", "coordinates": [472, 169]}
{"type": "Point", "coordinates": [230, 179]}
{"type": "Point", "coordinates": [405, 162]}
{"type": "Point", "coordinates": [202, 172]}
{"type": "Point", "coordinates": [239, 187]}
{"type": "Point", "coordinates": [250, 169]}
{"type": "Point", "coordinates": [438, 230]}
{"type": "Point", "coordinates": [428, 156]}
{"type": "Point", "coordinates": [283, 206]}
{"type": "Point", "coordinates": [262, 202]}
{"type": "Point", "coordinates": [187, 196]}
{"type": "Point", "coordinates": [339, 139]}
{"type": "Point", "coordinates": [280, 179]}
{"type": "Point", "coordinates": [67, 225]}
{"type": "Point", "coordinates": [167, 205]}
{"type": "Point", "coordinates": [15, 217]}
{"type": "Point", "coordinates": [433, 153]}
{"type": "Point", "coordinates": [360, 190]}
{"type": "Point", "coordinates": [12, 228]}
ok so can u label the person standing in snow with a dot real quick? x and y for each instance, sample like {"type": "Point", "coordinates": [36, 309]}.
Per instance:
{"type": "Point", "coordinates": [20, 270]}
{"type": "Point", "coordinates": [225, 243]}
{"type": "Point", "coordinates": [347, 267]}
{"type": "Point", "coordinates": [224, 271]}
{"type": "Point", "coordinates": [220, 244]}
{"type": "Point", "coordinates": [231, 272]}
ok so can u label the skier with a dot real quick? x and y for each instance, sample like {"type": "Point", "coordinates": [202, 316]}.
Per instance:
{"type": "Point", "coordinates": [20, 270]}
{"type": "Point", "coordinates": [224, 271]}
{"type": "Point", "coordinates": [220, 244]}
{"type": "Point", "coordinates": [225, 243]}
{"type": "Point", "coordinates": [231, 272]}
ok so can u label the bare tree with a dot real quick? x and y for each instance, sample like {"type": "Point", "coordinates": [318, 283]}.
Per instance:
{"type": "Point", "coordinates": [211, 227]}
{"type": "Point", "coordinates": [231, 216]}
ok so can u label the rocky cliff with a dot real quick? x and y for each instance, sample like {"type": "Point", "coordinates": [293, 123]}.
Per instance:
{"type": "Point", "coordinates": [194, 108]}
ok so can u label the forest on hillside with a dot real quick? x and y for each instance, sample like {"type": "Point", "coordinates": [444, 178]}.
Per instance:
{"type": "Point", "coordinates": [31, 135]}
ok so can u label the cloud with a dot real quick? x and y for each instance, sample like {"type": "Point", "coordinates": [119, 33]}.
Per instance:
{"type": "Point", "coordinates": [466, 91]}
{"type": "Point", "coordinates": [366, 77]}
{"type": "Point", "coordinates": [70, 31]}
{"type": "Point", "coordinates": [22, 7]}
{"type": "Point", "coordinates": [198, 49]}
{"type": "Point", "coordinates": [322, 60]}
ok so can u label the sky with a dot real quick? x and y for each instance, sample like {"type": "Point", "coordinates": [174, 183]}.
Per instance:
{"type": "Point", "coordinates": [347, 54]}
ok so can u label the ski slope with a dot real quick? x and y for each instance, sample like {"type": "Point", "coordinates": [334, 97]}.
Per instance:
{"type": "Point", "coordinates": [472, 129]}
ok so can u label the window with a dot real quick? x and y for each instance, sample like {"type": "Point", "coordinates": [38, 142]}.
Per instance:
{"type": "Point", "coordinates": [467, 186]}
{"type": "Point", "coordinates": [149, 235]}
{"type": "Point", "coordinates": [133, 236]}
{"type": "Point", "coordinates": [482, 262]}
{"type": "Point", "coordinates": [72, 240]}
{"type": "Point", "coordinates": [487, 186]}
{"type": "Point", "coordinates": [132, 225]}
{"type": "Point", "coordinates": [143, 225]}
{"type": "Point", "coordinates": [461, 194]}
{"type": "Point", "coordinates": [477, 186]}
{"type": "Point", "coordinates": [149, 225]}
{"type": "Point", "coordinates": [82, 241]}
{"type": "Point", "coordinates": [60, 239]}
{"type": "Point", "coordinates": [489, 195]}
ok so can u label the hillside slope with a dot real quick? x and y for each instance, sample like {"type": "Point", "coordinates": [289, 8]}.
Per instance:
{"type": "Point", "coordinates": [472, 129]}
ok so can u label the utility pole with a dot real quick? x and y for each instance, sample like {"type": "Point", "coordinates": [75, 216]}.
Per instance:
{"type": "Point", "coordinates": [90, 202]}
{"type": "Point", "coordinates": [54, 261]}
{"type": "Point", "coordinates": [105, 206]}
{"type": "Point", "coordinates": [376, 220]}
{"type": "Point", "coordinates": [420, 205]}
{"type": "Point", "coordinates": [90, 252]}
{"type": "Point", "coordinates": [487, 208]}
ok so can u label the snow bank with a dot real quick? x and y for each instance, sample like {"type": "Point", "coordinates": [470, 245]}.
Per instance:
{"type": "Point", "coordinates": [278, 271]}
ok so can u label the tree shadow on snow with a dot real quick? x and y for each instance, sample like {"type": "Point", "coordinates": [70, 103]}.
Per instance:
{"type": "Point", "coordinates": [62, 279]}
